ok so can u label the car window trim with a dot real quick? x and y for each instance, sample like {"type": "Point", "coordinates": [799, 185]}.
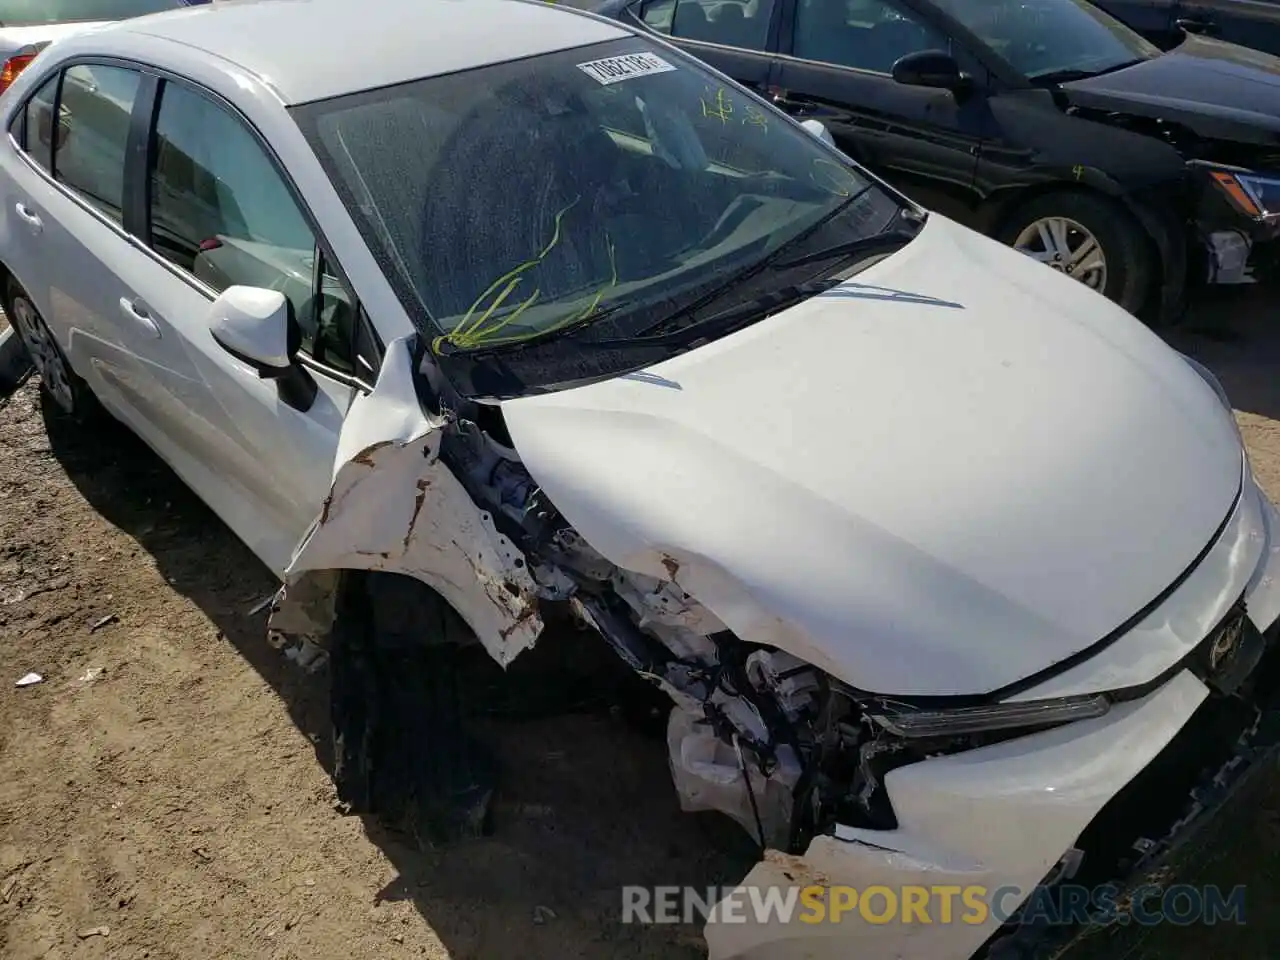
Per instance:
{"type": "Point", "coordinates": [142, 171]}
{"type": "Point", "coordinates": [137, 174]}
{"type": "Point", "coordinates": [928, 16]}
{"type": "Point", "coordinates": [772, 41]}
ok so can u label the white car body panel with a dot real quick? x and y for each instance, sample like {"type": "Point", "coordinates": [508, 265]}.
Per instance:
{"type": "Point", "coordinates": [24, 40]}
{"type": "Point", "coordinates": [782, 471]}
{"type": "Point", "coordinates": [778, 475]}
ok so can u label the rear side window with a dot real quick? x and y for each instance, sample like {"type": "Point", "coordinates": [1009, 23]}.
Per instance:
{"type": "Point", "coordinates": [733, 23]}
{"type": "Point", "coordinates": [95, 107]}
{"type": "Point", "coordinates": [39, 126]}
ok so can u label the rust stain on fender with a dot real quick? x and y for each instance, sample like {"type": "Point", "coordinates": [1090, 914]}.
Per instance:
{"type": "Point", "coordinates": [418, 500]}
{"type": "Point", "coordinates": [365, 456]}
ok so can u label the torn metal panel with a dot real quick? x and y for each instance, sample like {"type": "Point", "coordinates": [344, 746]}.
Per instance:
{"type": "Point", "coordinates": [395, 507]}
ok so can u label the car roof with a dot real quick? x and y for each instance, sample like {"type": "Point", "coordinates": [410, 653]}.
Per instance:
{"type": "Point", "coordinates": [314, 49]}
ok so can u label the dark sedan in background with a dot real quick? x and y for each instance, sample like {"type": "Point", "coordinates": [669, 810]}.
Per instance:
{"type": "Point", "coordinates": [1166, 23]}
{"type": "Point", "coordinates": [1046, 123]}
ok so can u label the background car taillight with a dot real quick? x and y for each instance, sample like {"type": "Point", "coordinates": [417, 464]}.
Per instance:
{"type": "Point", "coordinates": [12, 67]}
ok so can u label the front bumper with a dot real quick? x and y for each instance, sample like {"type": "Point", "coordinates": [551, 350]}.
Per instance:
{"type": "Point", "coordinates": [1238, 247]}
{"type": "Point", "coordinates": [1005, 816]}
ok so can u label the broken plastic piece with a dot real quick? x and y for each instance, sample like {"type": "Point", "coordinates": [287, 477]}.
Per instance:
{"type": "Point", "coordinates": [29, 680]}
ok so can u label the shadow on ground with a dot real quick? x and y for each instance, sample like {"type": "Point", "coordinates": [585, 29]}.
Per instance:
{"type": "Point", "coordinates": [1236, 334]}
{"type": "Point", "coordinates": [584, 805]}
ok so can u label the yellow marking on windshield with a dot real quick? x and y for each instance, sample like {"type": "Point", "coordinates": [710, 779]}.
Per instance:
{"type": "Point", "coordinates": [721, 107]}
{"type": "Point", "coordinates": [840, 183]}
{"type": "Point", "coordinates": [756, 117]}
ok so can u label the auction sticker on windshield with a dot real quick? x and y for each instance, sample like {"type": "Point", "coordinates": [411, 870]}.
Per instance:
{"type": "Point", "coordinates": [612, 69]}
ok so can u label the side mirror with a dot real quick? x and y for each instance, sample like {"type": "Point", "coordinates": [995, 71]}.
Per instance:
{"type": "Point", "coordinates": [930, 68]}
{"type": "Point", "coordinates": [819, 130]}
{"type": "Point", "coordinates": [257, 327]}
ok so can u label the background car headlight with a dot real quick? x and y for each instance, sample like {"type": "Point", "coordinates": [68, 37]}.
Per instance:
{"type": "Point", "coordinates": [922, 724]}
{"type": "Point", "coordinates": [1254, 194]}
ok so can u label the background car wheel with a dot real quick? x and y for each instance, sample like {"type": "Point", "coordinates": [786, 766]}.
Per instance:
{"type": "Point", "coordinates": [1088, 237]}
{"type": "Point", "coordinates": [59, 382]}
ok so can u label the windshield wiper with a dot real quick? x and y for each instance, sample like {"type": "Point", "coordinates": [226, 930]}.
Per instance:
{"type": "Point", "coordinates": [447, 348]}
{"type": "Point", "coordinates": [725, 321]}
{"type": "Point", "coordinates": [1066, 76]}
{"type": "Point", "coordinates": [764, 263]}
{"type": "Point", "coordinates": [888, 241]}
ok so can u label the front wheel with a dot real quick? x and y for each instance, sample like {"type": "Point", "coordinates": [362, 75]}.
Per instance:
{"type": "Point", "coordinates": [1087, 237]}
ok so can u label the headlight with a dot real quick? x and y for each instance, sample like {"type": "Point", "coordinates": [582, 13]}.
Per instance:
{"type": "Point", "coordinates": [915, 724]}
{"type": "Point", "coordinates": [1254, 194]}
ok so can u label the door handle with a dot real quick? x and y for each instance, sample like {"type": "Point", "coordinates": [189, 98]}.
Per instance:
{"type": "Point", "coordinates": [1195, 25]}
{"type": "Point", "coordinates": [29, 217]}
{"type": "Point", "coordinates": [137, 312]}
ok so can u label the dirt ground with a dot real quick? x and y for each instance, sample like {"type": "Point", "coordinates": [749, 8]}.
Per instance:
{"type": "Point", "coordinates": [163, 792]}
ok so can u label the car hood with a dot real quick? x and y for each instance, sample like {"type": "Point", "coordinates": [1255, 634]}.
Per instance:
{"type": "Point", "coordinates": [1218, 90]}
{"type": "Point", "coordinates": [942, 476]}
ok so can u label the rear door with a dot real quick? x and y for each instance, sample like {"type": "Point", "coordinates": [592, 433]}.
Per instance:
{"type": "Point", "coordinates": [835, 63]}
{"type": "Point", "coordinates": [734, 36]}
{"type": "Point", "coordinates": [1250, 23]}
{"type": "Point", "coordinates": [63, 215]}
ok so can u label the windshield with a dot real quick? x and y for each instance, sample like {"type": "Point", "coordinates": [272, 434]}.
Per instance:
{"type": "Point", "coordinates": [25, 13]}
{"type": "Point", "coordinates": [614, 181]}
{"type": "Point", "coordinates": [1041, 38]}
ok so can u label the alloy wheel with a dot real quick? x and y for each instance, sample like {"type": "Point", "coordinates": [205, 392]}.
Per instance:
{"type": "Point", "coordinates": [45, 355]}
{"type": "Point", "coordinates": [1066, 246]}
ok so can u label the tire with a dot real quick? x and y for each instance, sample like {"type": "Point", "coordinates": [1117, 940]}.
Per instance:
{"type": "Point", "coordinates": [60, 383]}
{"type": "Point", "coordinates": [1123, 271]}
{"type": "Point", "coordinates": [402, 750]}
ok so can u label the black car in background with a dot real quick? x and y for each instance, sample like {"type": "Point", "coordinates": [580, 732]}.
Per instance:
{"type": "Point", "coordinates": [1045, 123]}
{"type": "Point", "coordinates": [1166, 23]}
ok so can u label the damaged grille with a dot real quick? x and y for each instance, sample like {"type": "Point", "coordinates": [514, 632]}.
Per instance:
{"type": "Point", "coordinates": [1160, 810]}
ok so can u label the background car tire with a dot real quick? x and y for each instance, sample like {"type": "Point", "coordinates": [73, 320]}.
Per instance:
{"type": "Point", "coordinates": [1124, 246]}
{"type": "Point", "coordinates": [58, 381]}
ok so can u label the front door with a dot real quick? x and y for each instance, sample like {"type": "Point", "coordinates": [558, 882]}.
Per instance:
{"type": "Point", "coordinates": [835, 67]}
{"type": "Point", "coordinates": [1250, 23]}
{"type": "Point", "coordinates": [1154, 19]}
{"type": "Point", "coordinates": [220, 213]}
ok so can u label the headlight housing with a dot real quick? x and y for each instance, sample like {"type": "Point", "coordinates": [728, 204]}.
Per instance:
{"type": "Point", "coordinates": [922, 724]}
{"type": "Point", "coordinates": [1254, 194]}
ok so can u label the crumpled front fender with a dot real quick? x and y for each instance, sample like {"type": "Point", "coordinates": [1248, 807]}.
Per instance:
{"type": "Point", "coordinates": [395, 507]}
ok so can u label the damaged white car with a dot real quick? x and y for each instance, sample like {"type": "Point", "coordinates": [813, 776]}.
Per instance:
{"type": "Point", "coordinates": [952, 571]}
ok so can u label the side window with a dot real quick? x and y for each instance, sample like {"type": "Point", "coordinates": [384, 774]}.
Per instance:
{"type": "Point", "coordinates": [865, 34]}
{"type": "Point", "coordinates": [733, 23]}
{"type": "Point", "coordinates": [38, 125]}
{"type": "Point", "coordinates": [89, 156]}
{"type": "Point", "coordinates": [221, 211]}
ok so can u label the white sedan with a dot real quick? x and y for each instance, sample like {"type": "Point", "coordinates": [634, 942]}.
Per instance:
{"type": "Point", "coordinates": [954, 573]}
